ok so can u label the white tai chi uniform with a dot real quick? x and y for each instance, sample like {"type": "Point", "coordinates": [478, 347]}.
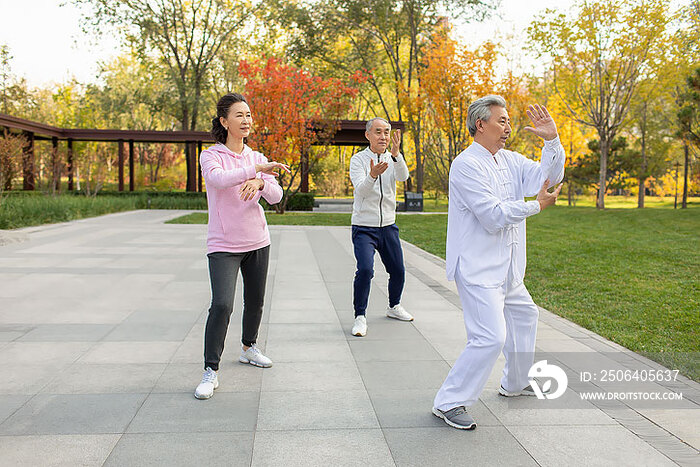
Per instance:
{"type": "Point", "coordinates": [486, 257]}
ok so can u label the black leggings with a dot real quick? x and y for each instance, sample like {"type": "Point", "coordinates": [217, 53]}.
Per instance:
{"type": "Point", "coordinates": [223, 272]}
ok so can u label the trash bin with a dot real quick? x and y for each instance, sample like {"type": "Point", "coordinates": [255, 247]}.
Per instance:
{"type": "Point", "coordinates": [414, 201]}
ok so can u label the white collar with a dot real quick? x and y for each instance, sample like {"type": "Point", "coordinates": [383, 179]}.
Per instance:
{"type": "Point", "coordinates": [369, 151]}
{"type": "Point", "coordinates": [479, 150]}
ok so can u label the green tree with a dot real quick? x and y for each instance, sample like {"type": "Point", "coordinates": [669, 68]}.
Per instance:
{"type": "Point", "coordinates": [185, 36]}
{"type": "Point", "coordinates": [385, 38]}
{"type": "Point", "coordinates": [11, 152]}
{"type": "Point", "coordinates": [689, 124]}
{"type": "Point", "coordinates": [584, 170]}
{"type": "Point", "coordinates": [136, 95]}
{"type": "Point", "coordinates": [451, 77]}
{"type": "Point", "coordinates": [597, 57]}
{"type": "Point", "coordinates": [649, 123]}
{"type": "Point", "coordinates": [14, 92]}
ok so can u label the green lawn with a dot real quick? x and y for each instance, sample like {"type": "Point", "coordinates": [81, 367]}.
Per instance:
{"type": "Point", "coordinates": [28, 209]}
{"type": "Point", "coordinates": [430, 204]}
{"type": "Point", "coordinates": [632, 276]}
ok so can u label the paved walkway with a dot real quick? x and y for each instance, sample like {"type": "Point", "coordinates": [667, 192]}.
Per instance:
{"type": "Point", "coordinates": [101, 329]}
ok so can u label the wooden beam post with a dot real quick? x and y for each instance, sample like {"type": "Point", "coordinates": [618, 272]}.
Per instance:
{"type": "Point", "coordinates": [28, 182]}
{"type": "Point", "coordinates": [191, 164]}
{"type": "Point", "coordinates": [120, 147]}
{"type": "Point", "coordinates": [70, 164]}
{"type": "Point", "coordinates": [56, 171]}
{"type": "Point", "coordinates": [132, 173]}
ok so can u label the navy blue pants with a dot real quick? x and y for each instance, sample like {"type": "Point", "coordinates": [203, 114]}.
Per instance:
{"type": "Point", "coordinates": [385, 240]}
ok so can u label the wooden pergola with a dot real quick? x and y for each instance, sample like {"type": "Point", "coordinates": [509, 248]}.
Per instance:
{"type": "Point", "coordinates": [350, 133]}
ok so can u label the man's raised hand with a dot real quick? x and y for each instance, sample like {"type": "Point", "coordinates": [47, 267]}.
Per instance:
{"type": "Point", "coordinates": [544, 125]}
{"type": "Point", "coordinates": [546, 198]}
{"type": "Point", "coordinates": [375, 170]}
{"type": "Point", "coordinates": [395, 143]}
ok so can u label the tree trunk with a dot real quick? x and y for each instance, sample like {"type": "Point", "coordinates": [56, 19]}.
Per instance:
{"type": "Point", "coordinates": [191, 165]}
{"type": "Point", "coordinates": [640, 195]}
{"type": "Point", "coordinates": [419, 159]}
{"type": "Point", "coordinates": [643, 169]}
{"type": "Point", "coordinates": [603, 175]}
{"type": "Point", "coordinates": [190, 162]}
{"type": "Point", "coordinates": [685, 177]}
{"type": "Point", "coordinates": [570, 193]}
{"type": "Point", "coordinates": [304, 183]}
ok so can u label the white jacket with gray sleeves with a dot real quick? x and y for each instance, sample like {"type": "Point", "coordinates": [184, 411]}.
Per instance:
{"type": "Point", "coordinates": [375, 200]}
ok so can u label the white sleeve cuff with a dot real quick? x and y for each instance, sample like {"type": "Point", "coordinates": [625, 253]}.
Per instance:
{"type": "Point", "coordinates": [552, 142]}
{"type": "Point", "coordinates": [533, 207]}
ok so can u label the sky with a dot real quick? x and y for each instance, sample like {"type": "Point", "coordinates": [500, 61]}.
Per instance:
{"type": "Point", "coordinates": [48, 45]}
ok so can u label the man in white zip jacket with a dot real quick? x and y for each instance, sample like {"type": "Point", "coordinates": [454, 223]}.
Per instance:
{"type": "Point", "coordinates": [486, 252]}
{"type": "Point", "coordinates": [374, 173]}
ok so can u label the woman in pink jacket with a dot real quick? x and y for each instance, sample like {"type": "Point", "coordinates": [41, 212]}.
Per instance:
{"type": "Point", "coordinates": [236, 177]}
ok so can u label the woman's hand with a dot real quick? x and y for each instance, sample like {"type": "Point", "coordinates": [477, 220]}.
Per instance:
{"type": "Point", "coordinates": [270, 168]}
{"type": "Point", "coordinates": [250, 188]}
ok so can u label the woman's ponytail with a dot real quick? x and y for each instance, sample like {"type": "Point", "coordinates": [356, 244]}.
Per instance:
{"type": "Point", "coordinates": [218, 131]}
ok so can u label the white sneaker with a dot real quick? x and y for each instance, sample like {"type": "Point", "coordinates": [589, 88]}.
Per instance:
{"type": "Point", "coordinates": [398, 312]}
{"type": "Point", "coordinates": [359, 329]}
{"type": "Point", "coordinates": [210, 381]}
{"type": "Point", "coordinates": [255, 357]}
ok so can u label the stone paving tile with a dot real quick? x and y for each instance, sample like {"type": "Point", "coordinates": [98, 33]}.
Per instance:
{"type": "Point", "coordinates": [588, 445]}
{"type": "Point", "coordinates": [484, 446]}
{"type": "Point", "coordinates": [130, 352]}
{"type": "Point", "coordinates": [312, 376]}
{"type": "Point", "coordinates": [289, 351]}
{"type": "Point", "coordinates": [67, 332]}
{"type": "Point", "coordinates": [182, 449]}
{"type": "Point", "coordinates": [316, 410]}
{"type": "Point", "coordinates": [10, 403]}
{"type": "Point", "coordinates": [321, 448]}
{"type": "Point", "coordinates": [181, 412]}
{"type": "Point", "coordinates": [366, 350]}
{"type": "Point", "coordinates": [51, 414]}
{"type": "Point", "coordinates": [56, 450]}
{"type": "Point", "coordinates": [105, 378]}
{"type": "Point", "coordinates": [403, 375]}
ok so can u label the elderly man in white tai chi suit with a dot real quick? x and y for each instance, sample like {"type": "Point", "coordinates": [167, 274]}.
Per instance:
{"type": "Point", "coordinates": [486, 252]}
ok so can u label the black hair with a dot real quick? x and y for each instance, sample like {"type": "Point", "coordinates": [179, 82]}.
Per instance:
{"type": "Point", "coordinates": [222, 107]}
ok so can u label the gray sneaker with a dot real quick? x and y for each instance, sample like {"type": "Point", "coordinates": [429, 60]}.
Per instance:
{"type": "Point", "coordinates": [526, 391]}
{"type": "Point", "coordinates": [456, 417]}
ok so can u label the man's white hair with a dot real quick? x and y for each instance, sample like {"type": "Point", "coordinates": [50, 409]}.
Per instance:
{"type": "Point", "coordinates": [480, 109]}
{"type": "Point", "coordinates": [368, 127]}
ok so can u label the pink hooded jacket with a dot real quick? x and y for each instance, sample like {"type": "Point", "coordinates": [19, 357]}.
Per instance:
{"type": "Point", "coordinates": [235, 225]}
